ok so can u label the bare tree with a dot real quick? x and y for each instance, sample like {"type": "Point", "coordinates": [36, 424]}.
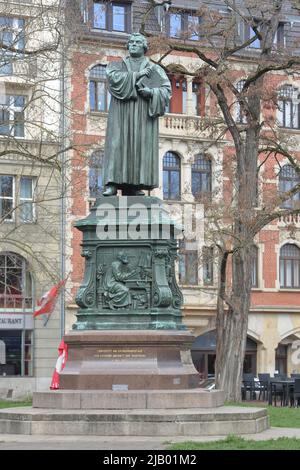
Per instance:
{"type": "Point", "coordinates": [219, 45]}
{"type": "Point", "coordinates": [35, 42]}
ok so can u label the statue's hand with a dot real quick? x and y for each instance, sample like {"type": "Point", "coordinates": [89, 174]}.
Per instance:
{"type": "Point", "coordinates": [146, 92]}
{"type": "Point", "coordinates": [144, 73]}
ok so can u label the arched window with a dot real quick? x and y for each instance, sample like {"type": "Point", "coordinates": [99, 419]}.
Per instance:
{"type": "Point", "coordinates": [171, 176]}
{"type": "Point", "coordinates": [254, 266]}
{"type": "Point", "coordinates": [240, 115]}
{"type": "Point", "coordinates": [96, 174]}
{"type": "Point", "coordinates": [288, 107]}
{"type": "Point", "coordinates": [290, 266]}
{"type": "Point", "coordinates": [288, 178]}
{"type": "Point", "coordinates": [204, 354]}
{"type": "Point", "coordinates": [201, 177]}
{"type": "Point", "coordinates": [15, 282]}
{"type": "Point", "coordinates": [281, 358]}
{"type": "Point", "coordinates": [99, 94]}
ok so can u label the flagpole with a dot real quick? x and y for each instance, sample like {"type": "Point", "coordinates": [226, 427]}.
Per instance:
{"type": "Point", "coordinates": [63, 185]}
{"type": "Point", "coordinates": [46, 319]}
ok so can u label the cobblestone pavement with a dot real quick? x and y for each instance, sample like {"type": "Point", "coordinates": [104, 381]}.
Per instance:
{"type": "Point", "coordinates": [17, 442]}
{"type": "Point", "coordinates": [20, 442]}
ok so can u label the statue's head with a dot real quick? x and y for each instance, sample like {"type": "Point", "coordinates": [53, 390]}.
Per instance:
{"type": "Point", "coordinates": [137, 45]}
{"type": "Point", "coordinates": [122, 256]}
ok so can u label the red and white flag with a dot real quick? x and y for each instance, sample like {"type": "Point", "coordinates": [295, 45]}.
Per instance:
{"type": "Point", "coordinates": [60, 364]}
{"type": "Point", "coordinates": [47, 303]}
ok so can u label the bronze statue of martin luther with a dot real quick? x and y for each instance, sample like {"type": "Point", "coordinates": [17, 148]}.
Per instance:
{"type": "Point", "coordinates": [140, 92]}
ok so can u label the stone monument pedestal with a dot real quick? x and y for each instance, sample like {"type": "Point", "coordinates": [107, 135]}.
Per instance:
{"type": "Point", "coordinates": [130, 248]}
{"type": "Point", "coordinates": [129, 370]}
{"type": "Point", "coordinates": [129, 360]}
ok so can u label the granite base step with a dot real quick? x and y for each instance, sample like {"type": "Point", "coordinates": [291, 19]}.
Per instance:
{"type": "Point", "coordinates": [126, 400]}
{"type": "Point", "coordinates": [222, 420]}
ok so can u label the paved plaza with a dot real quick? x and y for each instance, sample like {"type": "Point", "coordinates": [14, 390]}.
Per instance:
{"type": "Point", "coordinates": [20, 442]}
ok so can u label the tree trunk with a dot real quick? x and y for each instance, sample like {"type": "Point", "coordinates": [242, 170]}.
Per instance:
{"type": "Point", "coordinates": [232, 322]}
{"type": "Point", "coordinates": [232, 326]}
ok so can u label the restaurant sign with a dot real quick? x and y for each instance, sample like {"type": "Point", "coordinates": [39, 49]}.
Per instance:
{"type": "Point", "coordinates": [11, 322]}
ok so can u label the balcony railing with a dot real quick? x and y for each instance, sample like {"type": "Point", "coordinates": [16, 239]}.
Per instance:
{"type": "Point", "coordinates": [180, 123]}
{"type": "Point", "coordinates": [290, 219]}
{"type": "Point", "coordinates": [19, 66]}
{"type": "Point", "coordinates": [26, 67]}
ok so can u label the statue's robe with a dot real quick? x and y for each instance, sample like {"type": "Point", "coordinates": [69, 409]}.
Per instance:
{"type": "Point", "coordinates": [131, 148]}
{"type": "Point", "coordinates": [117, 293]}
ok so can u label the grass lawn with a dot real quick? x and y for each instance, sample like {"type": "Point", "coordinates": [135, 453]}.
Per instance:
{"type": "Point", "coordinates": [238, 443]}
{"type": "Point", "coordinates": [283, 417]}
{"type": "Point", "coordinates": [280, 416]}
{"type": "Point", "coordinates": [11, 404]}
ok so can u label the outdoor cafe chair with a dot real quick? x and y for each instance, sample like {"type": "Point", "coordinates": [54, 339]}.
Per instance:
{"type": "Point", "coordinates": [264, 382]}
{"type": "Point", "coordinates": [280, 376]}
{"type": "Point", "coordinates": [295, 376]}
{"type": "Point", "coordinates": [248, 386]}
{"type": "Point", "coordinates": [276, 390]}
{"type": "Point", "coordinates": [295, 393]}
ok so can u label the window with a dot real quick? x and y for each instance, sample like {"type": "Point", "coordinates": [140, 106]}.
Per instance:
{"type": "Point", "coordinates": [289, 266]}
{"type": "Point", "coordinates": [112, 16]}
{"type": "Point", "coordinates": [184, 96]}
{"type": "Point", "coordinates": [240, 114]}
{"type": "Point", "coordinates": [11, 35]}
{"type": "Point", "coordinates": [208, 265]}
{"type": "Point", "coordinates": [175, 25]}
{"type": "Point", "coordinates": [250, 360]}
{"type": "Point", "coordinates": [178, 102]}
{"type": "Point", "coordinates": [100, 15]}
{"type": "Point", "coordinates": [28, 353]}
{"type": "Point", "coordinates": [201, 177]}
{"type": "Point", "coordinates": [288, 107]}
{"type": "Point", "coordinates": [171, 176]}
{"type": "Point", "coordinates": [95, 174]}
{"type": "Point", "coordinates": [245, 33]}
{"type": "Point", "coordinates": [2, 352]}
{"type": "Point", "coordinates": [254, 266]}
{"type": "Point", "coordinates": [288, 179]}
{"type": "Point", "coordinates": [281, 358]}
{"type": "Point", "coordinates": [26, 199]}
{"type": "Point", "coordinates": [197, 90]}
{"type": "Point", "coordinates": [183, 24]}
{"type": "Point", "coordinates": [18, 353]}
{"type": "Point", "coordinates": [7, 190]}
{"type": "Point", "coordinates": [255, 44]}
{"type": "Point", "coordinates": [188, 264]}
{"type": "Point", "coordinates": [279, 38]}
{"type": "Point", "coordinates": [193, 27]}
{"type": "Point", "coordinates": [9, 201]}
{"type": "Point", "coordinates": [119, 17]}
{"type": "Point", "coordinates": [99, 94]}
{"type": "Point", "coordinates": [12, 115]}
{"type": "Point", "coordinates": [15, 283]}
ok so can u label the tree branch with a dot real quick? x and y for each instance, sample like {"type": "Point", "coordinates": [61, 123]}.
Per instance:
{"type": "Point", "coordinates": [279, 149]}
